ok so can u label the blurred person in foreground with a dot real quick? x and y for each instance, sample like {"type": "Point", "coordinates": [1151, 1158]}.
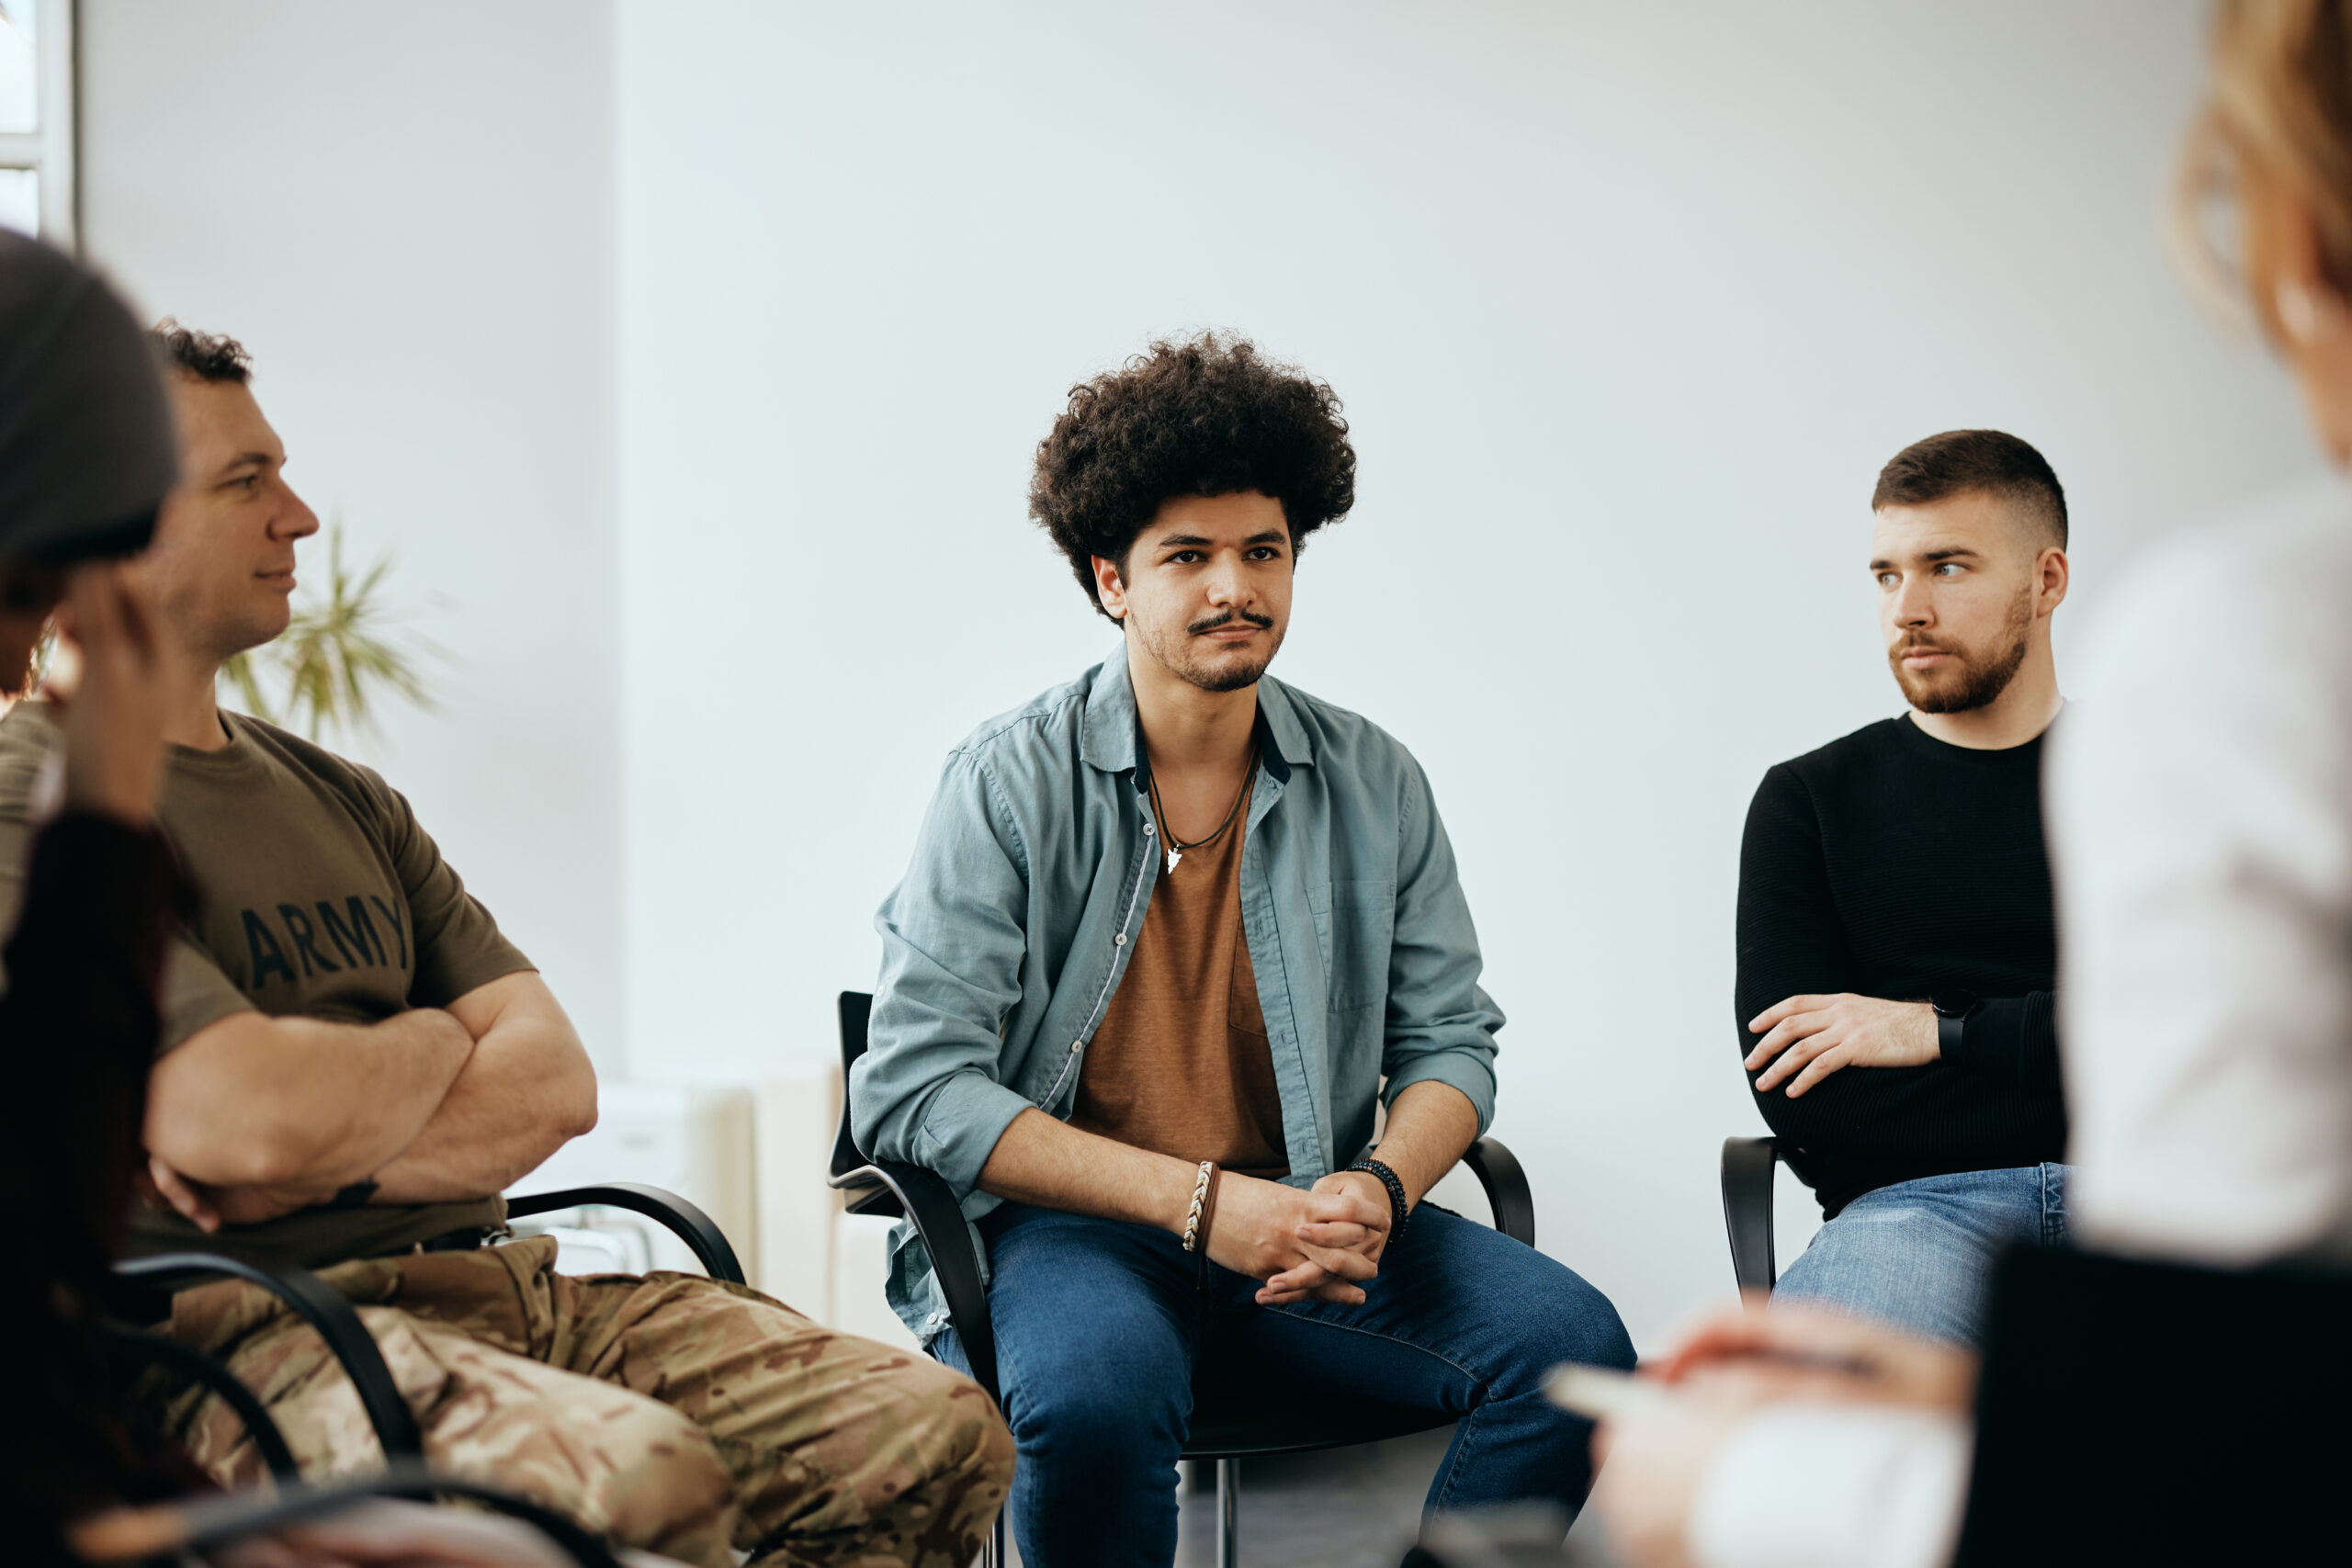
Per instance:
{"type": "Point", "coordinates": [2177, 1391]}
{"type": "Point", "coordinates": [352, 1063]}
{"type": "Point", "coordinates": [87, 454]}
{"type": "Point", "coordinates": [1898, 952]}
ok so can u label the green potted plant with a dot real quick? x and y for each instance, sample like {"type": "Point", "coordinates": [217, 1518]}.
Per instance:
{"type": "Point", "coordinates": [336, 662]}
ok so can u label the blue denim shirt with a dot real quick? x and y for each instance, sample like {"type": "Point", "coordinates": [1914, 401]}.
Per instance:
{"type": "Point", "coordinates": [1005, 942]}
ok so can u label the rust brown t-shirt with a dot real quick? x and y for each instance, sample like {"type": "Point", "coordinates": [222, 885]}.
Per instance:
{"type": "Point", "coordinates": [322, 897]}
{"type": "Point", "coordinates": [1180, 1065]}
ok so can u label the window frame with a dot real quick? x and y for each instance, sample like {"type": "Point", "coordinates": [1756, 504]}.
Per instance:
{"type": "Point", "coordinates": [48, 149]}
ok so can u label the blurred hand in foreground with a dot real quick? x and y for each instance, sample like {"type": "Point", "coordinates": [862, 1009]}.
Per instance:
{"type": "Point", "coordinates": [113, 715]}
{"type": "Point", "coordinates": [1727, 1368]}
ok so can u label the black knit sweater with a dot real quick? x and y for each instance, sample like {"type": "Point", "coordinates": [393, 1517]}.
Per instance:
{"type": "Point", "coordinates": [1893, 864]}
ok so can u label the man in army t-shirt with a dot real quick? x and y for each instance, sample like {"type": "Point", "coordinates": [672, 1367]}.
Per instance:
{"type": "Point", "coordinates": [331, 924]}
{"type": "Point", "coordinates": [356, 1062]}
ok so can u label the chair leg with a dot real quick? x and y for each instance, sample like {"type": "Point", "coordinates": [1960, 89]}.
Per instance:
{"type": "Point", "coordinates": [992, 1546]}
{"type": "Point", "coordinates": [1228, 1512]}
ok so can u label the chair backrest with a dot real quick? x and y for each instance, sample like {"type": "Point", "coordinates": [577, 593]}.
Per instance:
{"type": "Point", "coordinates": [856, 1010]}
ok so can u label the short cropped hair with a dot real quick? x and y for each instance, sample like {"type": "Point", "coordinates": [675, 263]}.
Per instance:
{"type": "Point", "coordinates": [1205, 415]}
{"type": "Point", "coordinates": [1991, 461]}
{"type": "Point", "coordinates": [213, 357]}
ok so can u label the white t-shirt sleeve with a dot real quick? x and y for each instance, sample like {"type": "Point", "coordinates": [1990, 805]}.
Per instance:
{"type": "Point", "coordinates": [1834, 1486]}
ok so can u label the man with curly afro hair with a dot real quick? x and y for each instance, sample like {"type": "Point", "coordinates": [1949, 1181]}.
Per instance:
{"type": "Point", "coordinates": [1171, 934]}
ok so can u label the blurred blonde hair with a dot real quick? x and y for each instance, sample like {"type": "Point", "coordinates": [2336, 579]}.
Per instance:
{"type": "Point", "coordinates": [2277, 126]}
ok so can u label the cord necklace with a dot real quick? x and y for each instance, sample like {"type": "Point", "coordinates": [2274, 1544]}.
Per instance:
{"type": "Point", "coordinates": [1176, 847]}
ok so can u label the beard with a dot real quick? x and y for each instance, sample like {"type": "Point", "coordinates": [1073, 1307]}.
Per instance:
{"type": "Point", "coordinates": [1191, 662]}
{"type": "Point", "coordinates": [1981, 675]}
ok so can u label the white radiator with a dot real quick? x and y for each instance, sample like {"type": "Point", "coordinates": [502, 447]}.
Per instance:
{"type": "Point", "coordinates": [827, 1263]}
{"type": "Point", "coordinates": [757, 1162]}
{"type": "Point", "coordinates": [697, 1140]}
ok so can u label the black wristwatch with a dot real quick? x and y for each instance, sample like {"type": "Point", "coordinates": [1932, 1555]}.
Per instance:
{"type": "Point", "coordinates": [1952, 1009]}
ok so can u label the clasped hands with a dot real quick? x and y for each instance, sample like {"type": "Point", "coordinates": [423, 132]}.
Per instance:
{"type": "Point", "coordinates": [1321, 1244]}
{"type": "Point", "coordinates": [1813, 1036]}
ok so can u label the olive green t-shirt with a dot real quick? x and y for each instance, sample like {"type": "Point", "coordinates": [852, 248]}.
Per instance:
{"type": "Point", "coordinates": [322, 897]}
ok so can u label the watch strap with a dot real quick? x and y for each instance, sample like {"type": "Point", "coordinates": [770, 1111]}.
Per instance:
{"type": "Point", "coordinates": [1950, 1028]}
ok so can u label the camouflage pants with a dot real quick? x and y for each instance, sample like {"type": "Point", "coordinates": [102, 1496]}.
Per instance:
{"type": "Point", "coordinates": [679, 1414]}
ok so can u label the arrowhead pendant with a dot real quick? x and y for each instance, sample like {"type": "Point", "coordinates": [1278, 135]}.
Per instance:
{"type": "Point", "coordinates": [1173, 856]}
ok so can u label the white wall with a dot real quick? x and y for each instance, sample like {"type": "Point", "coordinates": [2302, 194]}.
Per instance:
{"type": "Point", "coordinates": [406, 213]}
{"type": "Point", "coordinates": [1627, 304]}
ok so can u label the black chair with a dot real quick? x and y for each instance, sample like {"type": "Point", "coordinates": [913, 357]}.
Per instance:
{"type": "Point", "coordinates": [197, 1524]}
{"type": "Point", "coordinates": [145, 1285]}
{"type": "Point", "coordinates": [130, 1349]}
{"type": "Point", "coordinates": [1231, 1421]}
{"type": "Point", "coordinates": [686, 1221]}
{"type": "Point", "coordinates": [1747, 1210]}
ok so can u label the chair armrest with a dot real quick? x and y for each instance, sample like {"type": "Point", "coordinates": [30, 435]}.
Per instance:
{"type": "Point", "coordinates": [320, 1306]}
{"type": "Point", "coordinates": [686, 1221]}
{"type": "Point", "coordinates": [1498, 1172]}
{"type": "Point", "coordinates": [136, 1347]}
{"type": "Point", "coordinates": [198, 1524]}
{"type": "Point", "coordinates": [925, 1197]}
{"type": "Point", "coordinates": [1747, 1209]}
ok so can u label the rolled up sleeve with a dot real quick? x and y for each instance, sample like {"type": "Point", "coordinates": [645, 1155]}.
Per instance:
{"type": "Point", "coordinates": [1440, 1023]}
{"type": "Point", "coordinates": [926, 1091]}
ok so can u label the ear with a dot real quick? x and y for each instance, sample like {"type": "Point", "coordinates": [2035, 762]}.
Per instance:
{"type": "Point", "coordinates": [2051, 575]}
{"type": "Point", "coordinates": [1107, 586]}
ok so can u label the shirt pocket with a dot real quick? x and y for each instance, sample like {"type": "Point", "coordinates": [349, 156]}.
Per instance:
{"type": "Point", "coordinates": [1353, 924]}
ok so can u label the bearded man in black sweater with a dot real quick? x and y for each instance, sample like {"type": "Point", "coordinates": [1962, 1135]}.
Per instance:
{"type": "Point", "coordinates": [1897, 947]}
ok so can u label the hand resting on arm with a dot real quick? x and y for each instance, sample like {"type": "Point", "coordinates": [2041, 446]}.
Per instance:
{"type": "Point", "coordinates": [526, 1091]}
{"type": "Point", "coordinates": [256, 1117]}
{"type": "Point", "coordinates": [1806, 1038]}
{"type": "Point", "coordinates": [252, 1117]}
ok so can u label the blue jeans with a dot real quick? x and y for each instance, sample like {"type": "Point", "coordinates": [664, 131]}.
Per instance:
{"type": "Point", "coordinates": [1916, 1254]}
{"type": "Point", "coordinates": [1098, 1324]}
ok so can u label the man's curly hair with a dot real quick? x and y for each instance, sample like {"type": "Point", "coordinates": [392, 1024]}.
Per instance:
{"type": "Point", "coordinates": [212, 358]}
{"type": "Point", "coordinates": [1203, 416]}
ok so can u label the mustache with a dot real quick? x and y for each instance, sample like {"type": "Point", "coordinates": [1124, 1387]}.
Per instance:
{"type": "Point", "coordinates": [1263, 623]}
{"type": "Point", "coordinates": [1913, 643]}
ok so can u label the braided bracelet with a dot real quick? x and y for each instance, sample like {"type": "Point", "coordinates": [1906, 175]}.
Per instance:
{"type": "Point", "coordinates": [1200, 1201]}
{"type": "Point", "coordinates": [1398, 1211]}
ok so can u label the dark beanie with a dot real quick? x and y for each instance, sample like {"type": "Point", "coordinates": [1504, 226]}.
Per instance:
{"type": "Point", "coordinates": [87, 446]}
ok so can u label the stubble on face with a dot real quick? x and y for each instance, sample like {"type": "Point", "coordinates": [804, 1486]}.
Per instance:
{"type": "Point", "coordinates": [1978, 676]}
{"type": "Point", "coordinates": [220, 574]}
{"type": "Point", "coordinates": [1204, 664]}
{"type": "Point", "coordinates": [1207, 589]}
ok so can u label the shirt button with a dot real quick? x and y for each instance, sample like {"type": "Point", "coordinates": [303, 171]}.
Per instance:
{"type": "Point", "coordinates": [1119, 940]}
{"type": "Point", "coordinates": [1075, 1046]}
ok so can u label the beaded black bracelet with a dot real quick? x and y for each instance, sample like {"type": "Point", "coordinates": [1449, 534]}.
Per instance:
{"type": "Point", "coordinates": [1397, 1209]}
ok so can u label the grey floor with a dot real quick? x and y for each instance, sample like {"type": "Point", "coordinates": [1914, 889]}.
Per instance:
{"type": "Point", "coordinates": [1352, 1509]}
